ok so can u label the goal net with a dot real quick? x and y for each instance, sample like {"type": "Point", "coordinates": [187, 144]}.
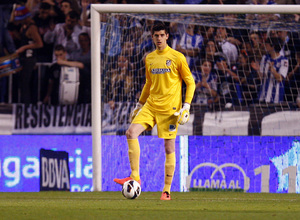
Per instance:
{"type": "Point", "coordinates": [227, 55]}
{"type": "Point", "coordinates": [244, 59]}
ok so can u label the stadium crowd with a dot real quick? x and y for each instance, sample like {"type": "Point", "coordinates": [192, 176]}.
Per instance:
{"type": "Point", "coordinates": [229, 65]}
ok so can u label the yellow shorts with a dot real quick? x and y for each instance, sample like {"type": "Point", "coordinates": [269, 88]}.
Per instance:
{"type": "Point", "coordinates": [166, 124]}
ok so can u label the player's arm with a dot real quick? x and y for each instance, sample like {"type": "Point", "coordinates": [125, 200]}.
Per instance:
{"type": "Point", "coordinates": [184, 113]}
{"type": "Point", "coordinates": [146, 89]}
{"type": "Point", "coordinates": [145, 92]}
{"type": "Point", "coordinates": [188, 79]}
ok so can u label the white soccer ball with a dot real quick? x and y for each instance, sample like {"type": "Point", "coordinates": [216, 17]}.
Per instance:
{"type": "Point", "coordinates": [228, 105]}
{"type": "Point", "coordinates": [131, 189]}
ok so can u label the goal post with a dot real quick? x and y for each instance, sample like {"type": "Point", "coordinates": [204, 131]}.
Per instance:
{"type": "Point", "coordinates": [97, 9]}
{"type": "Point", "coordinates": [96, 99]}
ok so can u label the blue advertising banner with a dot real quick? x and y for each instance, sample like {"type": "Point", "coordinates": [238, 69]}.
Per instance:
{"type": "Point", "coordinates": [246, 163]}
{"type": "Point", "coordinates": [250, 164]}
{"type": "Point", "coordinates": [19, 161]}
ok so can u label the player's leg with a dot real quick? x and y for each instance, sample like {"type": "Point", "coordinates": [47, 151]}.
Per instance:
{"type": "Point", "coordinates": [143, 120]}
{"type": "Point", "coordinates": [132, 134]}
{"type": "Point", "coordinates": [134, 149]}
{"type": "Point", "coordinates": [170, 163]}
{"type": "Point", "coordinates": [167, 129]}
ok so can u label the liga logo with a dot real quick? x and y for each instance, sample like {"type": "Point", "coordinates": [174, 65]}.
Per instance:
{"type": "Point", "coordinates": [221, 182]}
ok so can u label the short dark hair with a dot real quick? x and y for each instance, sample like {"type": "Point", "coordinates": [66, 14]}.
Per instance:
{"type": "Point", "coordinates": [275, 42]}
{"type": "Point", "coordinates": [74, 15]}
{"type": "Point", "coordinates": [206, 60]}
{"type": "Point", "coordinates": [84, 34]}
{"type": "Point", "coordinates": [59, 47]}
{"type": "Point", "coordinates": [159, 26]}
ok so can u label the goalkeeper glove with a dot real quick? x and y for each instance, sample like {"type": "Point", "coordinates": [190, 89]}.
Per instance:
{"type": "Point", "coordinates": [183, 114]}
{"type": "Point", "coordinates": [135, 111]}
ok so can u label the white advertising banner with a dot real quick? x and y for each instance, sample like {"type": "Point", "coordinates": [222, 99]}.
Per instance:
{"type": "Point", "coordinates": [226, 123]}
{"type": "Point", "coordinates": [281, 124]}
{"type": "Point", "coordinates": [47, 119]}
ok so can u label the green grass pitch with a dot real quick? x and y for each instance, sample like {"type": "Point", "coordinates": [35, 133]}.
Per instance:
{"type": "Point", "coordinates": [112, 205]}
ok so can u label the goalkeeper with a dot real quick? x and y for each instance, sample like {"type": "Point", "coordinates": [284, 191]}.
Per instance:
{"type": "Point", "coordinates": [161, 103]}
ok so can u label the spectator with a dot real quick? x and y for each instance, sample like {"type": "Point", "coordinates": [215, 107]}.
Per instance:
{"type": "Point", "coordinates": [130, 25]}
{"type": "Point", "coordinates": [250, 80]}
{"type": "Point", "coordinates": [210, 52]}
{"type": "Point", "coordinates": [43, 21]}
{"type": "Point", "coordinates": [235, 36]}
{"type": "Point", "coordinates": [69, 5]}
{"type": "Point", "coordinates": [289, 44]}
{"type": "Point", "coordinates": [122, 82]}
{"type": "Point", "coordinates": [294, 17]}
{"type": "Point", "coordinates": [86, 9]}
{"type": "Point", "coordinates": [229, 88]}
{"type": "Point", "coordinates": [147, 24]}
{"type": "Point", "coordinates": [7, 45]}
{"type": "Point", "coordinates": [85, 16]}
{"type": "Point", "coordinates": [227, 48]}
{"type": "Point", "coordinates": [206, 84]}
{"type": "Point", "coordinates": [33, 6]}
{"type": "Point", "coordinates": [110, 38]}
{"type": "Point", "coordinates": [56, 13]}
{"type": "Point", "coordinates": [66, 33]}
{"type": "Point", "coordinates": [190, 45]}
{"type": "Point", "coordinates": [273, 71]}
{"type": "Point", "coordinates": [254, 47]}
{"type": "Point", "coordinates": [263, 17]}
{"type": "Point", "coordinates": [127, 50]}
{"type": "Point", "coordinates": [176, 31]}
{"type": "Point", "coordinates": [141, 45]}
{"type": "Point", "coordinates": [30, 41]}
{"type": "Point", "coordinates": [140, 38]}
{"type": "Point", "coordinates": [293, 82]}
{"type": "Point", "coordinates": [52, 96]}
{"type": "Point", "coordinates": [83, 55]}
{"type": "Point", "coordinates": [208, 33]}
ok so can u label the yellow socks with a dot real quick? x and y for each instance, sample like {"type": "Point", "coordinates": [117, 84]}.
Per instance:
{"type": "Point", "coordinates": [169, 171]}
{"type": "Point", "coordinates": [134, 158]}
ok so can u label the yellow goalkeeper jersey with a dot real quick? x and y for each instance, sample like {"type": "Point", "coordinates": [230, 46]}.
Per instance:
{"type": "Point", "coordinates": [165, 71]}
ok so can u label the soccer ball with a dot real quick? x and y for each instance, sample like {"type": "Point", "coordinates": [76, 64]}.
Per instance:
{"type": "Point", "coordinates": [131, 189]}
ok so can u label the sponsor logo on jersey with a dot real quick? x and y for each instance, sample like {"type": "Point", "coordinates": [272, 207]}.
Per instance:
{"type": "Point", "coordinates": [160, 71]}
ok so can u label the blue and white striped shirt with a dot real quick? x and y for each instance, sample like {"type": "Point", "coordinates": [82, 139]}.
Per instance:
{"type": "Point", "coordinates": [272, 91]}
